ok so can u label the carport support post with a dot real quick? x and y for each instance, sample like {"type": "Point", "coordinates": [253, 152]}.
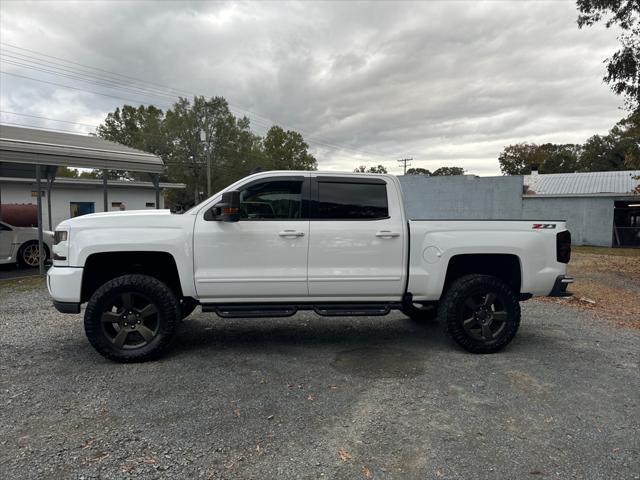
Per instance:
{"type": "Point", "coordinates": [104, 190]}
{"type": "Point", "coordinates": [155, 178]}
{"type": "Point", "coordinates": [40, 245]}
{"type": "Point", "coordinates": [51, 176]}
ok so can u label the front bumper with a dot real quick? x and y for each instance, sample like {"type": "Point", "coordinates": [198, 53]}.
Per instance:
{"type": "Point", "coordinates": [560, 287]}
{"type": "Point", "coordinates": [65, 285]}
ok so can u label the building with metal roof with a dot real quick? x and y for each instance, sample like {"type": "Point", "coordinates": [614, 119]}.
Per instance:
{"type": "Point", "coordinates": [587, 183]}
{"type": "Point", "coordinates": [71, 197]}
{"type": "Point", "coordinates": [599, 207]}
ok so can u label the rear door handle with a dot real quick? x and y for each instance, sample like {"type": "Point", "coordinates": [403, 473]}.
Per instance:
{"type": "Point", "coordinates": [387, 234]}
{"type": "Point", "coordinates": [291, 233]}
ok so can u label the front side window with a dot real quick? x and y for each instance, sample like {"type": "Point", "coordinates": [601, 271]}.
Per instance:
{"type": "Point", "coordinates": [352, 201]}
{"type": "Point", "coordinates": [278, 199]}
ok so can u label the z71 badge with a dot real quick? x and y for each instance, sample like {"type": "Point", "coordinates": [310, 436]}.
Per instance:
{"type": "Point", "coordinates": [538, 226]}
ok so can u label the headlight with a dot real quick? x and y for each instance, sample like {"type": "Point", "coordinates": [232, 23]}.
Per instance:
{"type": "Point", "coordinates": [60, 236]}
{"type": "Point", "coordinates": [61, 245]}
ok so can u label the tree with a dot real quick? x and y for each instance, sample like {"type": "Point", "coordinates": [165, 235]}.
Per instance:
{"type": "Point", "coordinates": [66, 172]}
{"type": "Point", "coordinates": [136, 127]}
{"type": "Point", "coordinates": [192, 134]}
{"type": "Point", "coordinates": [418, 171]}
{"type": "Point", "coordinates": [287, 150]}
{"type": "Point", "coordinates": [447, 171]}
{"type": "Point", "coordinates": [363, 169]}
{"type": "Point", "coordinates": [623, 68]}
{"type": "Point", "coordinates": [522, 158]}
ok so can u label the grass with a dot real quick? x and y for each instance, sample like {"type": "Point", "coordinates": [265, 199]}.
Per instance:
{"type": "Point", "coordinates": [617, 252]}
{"type": "Point", "coordinates": [607, 283]}
{"type": "Point", "coordinates": [22, 284]}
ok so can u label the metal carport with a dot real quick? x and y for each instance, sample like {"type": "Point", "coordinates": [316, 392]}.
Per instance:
{"type": "Point", "coordinates": [35, 153]}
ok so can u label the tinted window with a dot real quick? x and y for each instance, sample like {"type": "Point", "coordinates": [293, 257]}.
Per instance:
{"type": "Point", "coordinates": [352, 201]}
{"type": "Point", "coordinates": [268, 200]}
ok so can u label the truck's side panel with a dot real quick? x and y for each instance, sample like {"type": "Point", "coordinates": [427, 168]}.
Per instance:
{"type": "Point", "coordinates": [124, 233]}
{"type": "Point", "coordinates": [435, 243]}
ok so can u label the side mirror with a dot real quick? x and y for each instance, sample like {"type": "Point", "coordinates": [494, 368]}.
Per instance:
{"type": "Point", "coordinates": [227, 210]}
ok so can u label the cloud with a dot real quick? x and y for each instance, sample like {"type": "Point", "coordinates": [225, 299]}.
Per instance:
{"type": "Point", "coordinates": [447, 83]}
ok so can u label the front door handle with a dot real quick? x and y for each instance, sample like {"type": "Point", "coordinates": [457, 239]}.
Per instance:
{"type": "Point", "coordinates": [387, 234]}
{"type": "Point", "coordinates": [291, 233]}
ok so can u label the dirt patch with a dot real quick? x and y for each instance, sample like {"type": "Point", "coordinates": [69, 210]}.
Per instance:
{"type": "Point", "coordinates": [607, 284]}
{"type": "Point", "coordinates": [379, 362]}
{"type": "Point", "coordinates": [24, 284]}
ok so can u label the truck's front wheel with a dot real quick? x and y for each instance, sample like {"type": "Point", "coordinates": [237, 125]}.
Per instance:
{"type": "Point", "coordinates": [481, 313]}
{"type": "Point", "coordinates": [132, 318]}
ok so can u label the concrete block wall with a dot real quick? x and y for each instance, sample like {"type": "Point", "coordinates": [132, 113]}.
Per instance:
{"type": "Point", "coordinates": [589, 219]}
{"type": "Point", "coordinates": [462, 197]}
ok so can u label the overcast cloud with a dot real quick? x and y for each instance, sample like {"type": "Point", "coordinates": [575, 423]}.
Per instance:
{"type": "Point", "coordinates": [447, 83]}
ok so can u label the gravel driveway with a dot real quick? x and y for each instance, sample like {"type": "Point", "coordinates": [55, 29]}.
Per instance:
{"type": "Point", "coordinates": [311, 397]}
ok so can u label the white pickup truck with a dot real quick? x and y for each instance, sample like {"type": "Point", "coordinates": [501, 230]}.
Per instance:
{"type": "Point", "coordinates": [278, 242]}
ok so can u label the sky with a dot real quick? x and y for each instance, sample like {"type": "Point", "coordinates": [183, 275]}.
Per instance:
{"type": "Point", "coordinates": [447, 83]}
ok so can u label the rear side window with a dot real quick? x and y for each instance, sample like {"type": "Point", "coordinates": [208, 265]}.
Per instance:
{"type": "Point", "coordinates": [352, 201]}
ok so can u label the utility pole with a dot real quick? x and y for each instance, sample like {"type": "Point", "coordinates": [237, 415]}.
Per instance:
{"type": "Point", "coordinates": [405, 163]}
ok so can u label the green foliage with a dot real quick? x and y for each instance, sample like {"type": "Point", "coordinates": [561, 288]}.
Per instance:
{"type": "Point", "coordinates": [447, 171]}
{"type": "Point", "coordinates": [193, 133]}
{"type": "Point", "coordinates": [66, 172]}
{"type": "Point", "coordinates": [618, 150]}
{"type": "Point", "coordinates": [287, 151]}
{"type": "Point", "coordinates": [363, 169]}
{"type": "Point", "coordinates": [623, 68]}
{"type": "Point", "coordinates": [418, 171]}
{"type": "Point", "coordinates": [521, 158]}
{"type": "Point", "coordinates": [440, 172]}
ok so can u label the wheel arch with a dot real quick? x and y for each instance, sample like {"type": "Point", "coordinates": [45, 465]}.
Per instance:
{"type": "Point", "coordinates": [99, 268]}
{"type": "Point", "coordinates": [505, 266]}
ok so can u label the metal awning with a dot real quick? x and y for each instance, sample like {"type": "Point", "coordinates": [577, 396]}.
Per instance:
{"type": "Point", "coordinates": [32, 146]}
{"type": "Point", "coordinates": [31, 152]}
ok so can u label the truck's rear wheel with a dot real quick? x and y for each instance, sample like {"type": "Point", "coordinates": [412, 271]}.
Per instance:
{"type": "Point", "coordinates": [132, 318]}
{"type": "Point", "coordinates": [481, 313]}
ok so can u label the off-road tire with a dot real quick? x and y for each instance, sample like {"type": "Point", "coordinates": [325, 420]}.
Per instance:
{"type": "Point", "coordinates": [420, 314]}
{"type": "Point", "coordinates": [453, 310]}
{"type": "Point", "coordinates": [167, 316]}
{"type": "Point", "coordinates": [21, 252]}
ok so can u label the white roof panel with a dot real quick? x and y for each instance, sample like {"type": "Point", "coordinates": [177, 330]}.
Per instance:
{"type": "Point", "coordinates": [618, 182]}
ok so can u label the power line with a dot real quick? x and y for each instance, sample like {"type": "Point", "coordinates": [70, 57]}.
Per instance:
{"type": "Point", "coordinates": [44, 128]}
{"type": "Point", "coordinates": [79, 89]}
{"type": "Point", "coordinates": [47, 118]}
{"type": "Point", "coordinates": [89, 67]}
{"type": "Point", "coordinates": [143, 90]}
{"type": "Point", "coordinates": [84, 78]}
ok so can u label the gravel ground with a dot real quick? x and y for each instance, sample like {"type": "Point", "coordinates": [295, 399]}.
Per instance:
{"type": "Point", "coordinates": [310, 397]}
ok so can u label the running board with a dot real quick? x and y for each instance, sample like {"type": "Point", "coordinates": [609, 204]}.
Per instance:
{"type": "Point", "coordinates": [253, 310]}
{"type": "Point", "coordinates": [352, 309]}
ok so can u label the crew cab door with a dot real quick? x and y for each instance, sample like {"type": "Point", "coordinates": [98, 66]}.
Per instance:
{"type": "Point", "coordinates": [264, 254]}
{"type": "Point", "coordinates": [358, 246]}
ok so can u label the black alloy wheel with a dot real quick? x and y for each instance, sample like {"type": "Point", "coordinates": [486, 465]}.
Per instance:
{"type": "Point", "coordinates": [132, 318]}
{"type": "Point", "coordinates": [481, 313]}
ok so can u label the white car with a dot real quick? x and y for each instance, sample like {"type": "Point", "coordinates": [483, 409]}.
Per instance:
{"type": "Point", "coordinates": [20, 245]}
{"type": "Point", "coordinates": [275, 243]}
